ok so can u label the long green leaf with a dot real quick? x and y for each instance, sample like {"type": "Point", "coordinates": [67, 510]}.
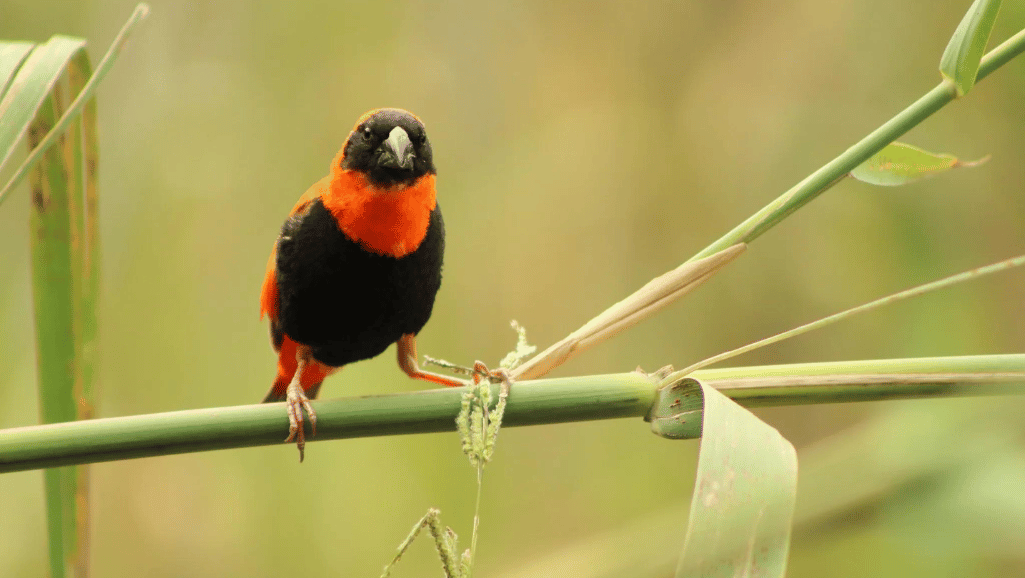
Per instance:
{"type": "Point", "coordinates": [79, 156]}
{"type": "Point", "coordinates": [53, 288]}
{"type": "Point", "coordinates": [32, 102]}
{"type": "Point", "coordinates": [29, 88]}
{"type": "Point", "coordinates": [35, 84]}
{"type": "Point", "coordinates": [743, 502]}
{"type": "Point", "coordinates": [15, 115]}
{"type": "Point", "coordinates": [12, 54]}
{"type": "Point", "coordinates": [89, 236]}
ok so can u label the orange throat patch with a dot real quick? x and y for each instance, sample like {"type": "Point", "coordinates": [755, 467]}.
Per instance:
{"type": "Point", "coordinates": [390, 221]}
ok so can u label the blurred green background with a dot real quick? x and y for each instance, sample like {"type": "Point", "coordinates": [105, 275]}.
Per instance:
{"type": "Point", "coordinates": [582, 148]}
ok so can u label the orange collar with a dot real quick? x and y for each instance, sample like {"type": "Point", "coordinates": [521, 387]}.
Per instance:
{"type": "Point", "coordinates": [390, 221]}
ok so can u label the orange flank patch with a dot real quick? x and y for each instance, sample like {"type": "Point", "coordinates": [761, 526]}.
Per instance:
{"type": "Point", "coordinates": [314, 373]}
{"type": "Point", "coordinates": [389, 221]}
{"type": "Point", "coordinates": [269, 292]}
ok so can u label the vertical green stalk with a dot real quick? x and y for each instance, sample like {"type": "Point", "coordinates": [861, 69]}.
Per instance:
{"type": "Point", "coordinates": [56, 224]}
{"type": "Point", "coordinates": [476, 521]}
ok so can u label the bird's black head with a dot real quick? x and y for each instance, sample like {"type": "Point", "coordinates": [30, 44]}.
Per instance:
{"type": "Point", "coordinates": [390, 146]}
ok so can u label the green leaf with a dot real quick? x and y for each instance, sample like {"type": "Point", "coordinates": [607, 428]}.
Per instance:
{"type": "Point", "coordinates": [36, 78]}
{"type": "Point", "coordinates": [743, 503]}
{"type": "Point", "coordinates": [960, 61]}
{"type": "Point", "coordinates": [53, 288]}
{"type": "Point", "coordinates": [46, 93]}
{"type": "Point", "coordinates": [900, 163]}
{"type": "Point", "coordinates": [12, 54]}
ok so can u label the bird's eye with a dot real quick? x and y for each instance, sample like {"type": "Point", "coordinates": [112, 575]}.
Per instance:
{"type": "Point", "coordinates": [367, 132]}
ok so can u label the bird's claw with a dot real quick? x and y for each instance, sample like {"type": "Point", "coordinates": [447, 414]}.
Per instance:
{"type": "Point", "coordinates": [296, 401]}
{"type": "Point", "coordinates": [481, 371]}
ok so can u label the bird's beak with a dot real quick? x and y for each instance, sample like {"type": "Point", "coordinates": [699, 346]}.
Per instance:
{"type": "Point", "coordinates": [396, 152]}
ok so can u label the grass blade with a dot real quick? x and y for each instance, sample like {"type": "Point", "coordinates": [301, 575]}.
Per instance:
{"type": "Point", "coordinates": [12, 54]}
{"type": "Point", "coordinates": [79, 155]}
{"type": "Point", "coordinates": [830, 319]}
{"type": "Point", "coordinates": [31, 85]}
{"type": "Point", "coordinates": [53, 295]}
{"type": "Point", "coordinates": [21, 108]}
{"type": "Point", "coordinates": [35, 82]}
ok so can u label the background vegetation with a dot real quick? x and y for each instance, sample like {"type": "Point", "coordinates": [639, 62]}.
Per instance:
{"type": "Point", "coordinates": [582, 149]}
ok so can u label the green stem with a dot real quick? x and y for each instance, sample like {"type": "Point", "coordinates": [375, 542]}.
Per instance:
{"type": "Point", "coordinates": [530, 403]}
{"type": "Point", "coordinates": [99, 440]}
{"type": "Point", "coordinates": [836, 170]}
{"type": "Point", "coordinates": [829, 320]}
{"type": "Point", "coordinates": [476, 519]}
{"type": "Point", "coordinates": [1001, 55]}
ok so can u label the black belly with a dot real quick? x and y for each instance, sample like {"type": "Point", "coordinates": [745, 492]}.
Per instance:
{"type": "Point", "coordinates": [345, 302]}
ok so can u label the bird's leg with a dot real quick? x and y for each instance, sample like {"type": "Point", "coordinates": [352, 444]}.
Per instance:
{"type": "Point", "coordinates": [296, 401]}
{"type": "Point", "coordinates": [406, 348]}
{"type": "Point", "coordinates": [407, 361]}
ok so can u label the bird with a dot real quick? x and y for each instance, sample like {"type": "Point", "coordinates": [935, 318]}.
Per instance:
{"type": "Point", "coordinates": [357, 264]}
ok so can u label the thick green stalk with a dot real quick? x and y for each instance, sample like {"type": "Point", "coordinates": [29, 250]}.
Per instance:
{"type": "Point", "coordinates": [530, 403]}
{"type": "Point", "coordinates": [833, 172]}
{"type": "Point", "coordinates": [98, 440]}
{"type": "Point", "coordinates": [677, 412]}
{"type": "Point", "coordinates": [874, 380]}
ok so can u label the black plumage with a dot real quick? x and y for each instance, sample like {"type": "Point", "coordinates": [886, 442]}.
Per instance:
{"type": "Point", "coordinates": [345, 302]}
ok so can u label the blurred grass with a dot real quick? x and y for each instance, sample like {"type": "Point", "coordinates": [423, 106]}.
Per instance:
{"type": "Point", "coordinates": [655, 127]}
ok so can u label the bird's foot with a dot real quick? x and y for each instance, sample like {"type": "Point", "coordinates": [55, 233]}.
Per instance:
{"type": "Point", "coordinates": [296, 401]}
{"type": "Point", "coordinates": [499, 375]}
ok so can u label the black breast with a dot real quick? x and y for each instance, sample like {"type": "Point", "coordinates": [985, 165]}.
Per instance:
{"type": "Point", "coordinates": [345, 302]}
